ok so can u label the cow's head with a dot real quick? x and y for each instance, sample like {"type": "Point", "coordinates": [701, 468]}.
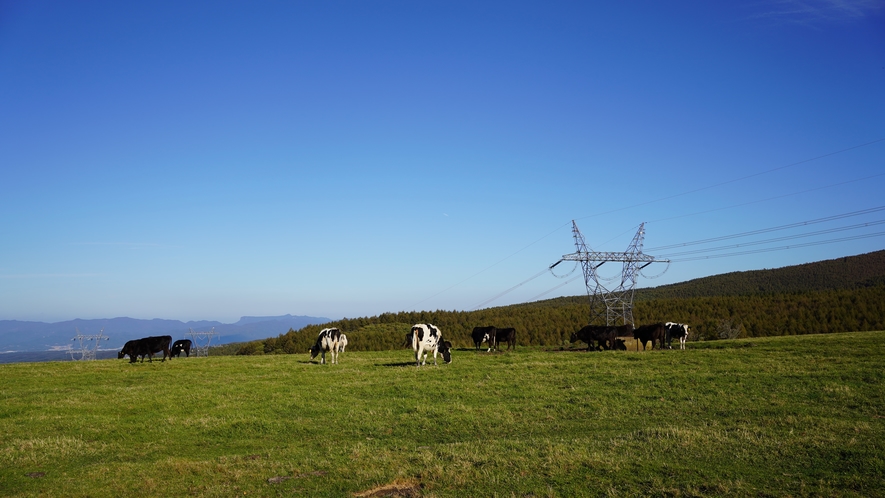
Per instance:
{"type": "Point", "coordinates": [574, 337]}
{"type": "Point", "coordinates": [485, 338]}
{"type": "Point", "coordinates": [314, 351]}
{"type": "Point", "coordinates": [121, 355]}
{"type": "Point", "coordinates": [620, 345]}
{"type": "Point", "coordinates": [445, 348]}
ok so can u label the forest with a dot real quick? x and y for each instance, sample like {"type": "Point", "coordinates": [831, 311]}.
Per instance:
{"type": "Point", "coordinates": [842, 295]}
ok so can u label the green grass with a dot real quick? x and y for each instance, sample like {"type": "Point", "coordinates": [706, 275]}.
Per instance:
{"type": "Point", "coordinates": [785, 416]}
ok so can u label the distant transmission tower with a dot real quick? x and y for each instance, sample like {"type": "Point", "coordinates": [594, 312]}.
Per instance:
{"type": "Point", "coordinates": [86, 351]}
{"type": "Point", "coordinates": [611, 306]}
{"type": "Point", "coordinates": [200, 341]}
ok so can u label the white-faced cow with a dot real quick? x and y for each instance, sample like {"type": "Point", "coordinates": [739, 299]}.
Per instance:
{"type": "Point", "coordinates": [677, 331]}
{"type": "Point", "coordinates": [342, 343]}
{"type": "Point", "coordinates": [427, 338]}
{"type": "Point", "coordinates": [184, 345]}
{"type": "Point", "coordinates": [481, 335]}
{"type": "Point", "coordinates": [327, 340]}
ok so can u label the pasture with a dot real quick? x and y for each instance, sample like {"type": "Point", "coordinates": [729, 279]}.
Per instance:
{"type": "Point", "coordinates": [785, 416]}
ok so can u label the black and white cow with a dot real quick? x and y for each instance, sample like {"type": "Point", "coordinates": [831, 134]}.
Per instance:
{"type": "Point", "coordinates": [184, 345]}
{"type": "Point", "coordinates": [678, 331]}
{"type": "Point", "coordinates": [327, 340]}
{"type": "Point", "coordinates": [427, 338]}
{"type": "Point", "coordinates": [481, 335]}
{"type": "Point", "coordinates": [342, 343]}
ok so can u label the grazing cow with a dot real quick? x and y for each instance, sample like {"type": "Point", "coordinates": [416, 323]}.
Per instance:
{"type": "Point", "coordinates": [482, 334]}
{"type": "Point", "coordinates": [502, 335]}
{"type": "Point", "coordinates": [146, 347]}
{"type": "Point", "coordinates": [327, 340]}
{"type": "Point", "coordinates": [182, 345]}
{"type": "Point", "coordinates": [646, 333]}
{"type": "Point", "coordinates": [679, 331]}
{"type": "Point", "coordinates": [598, 333]}
{"type": "Point", "coordinates": [426, 338]}
{"type": "Point", "coordinates": [342, 343]}
{"type": "Point", "coordinates": [407, 343]}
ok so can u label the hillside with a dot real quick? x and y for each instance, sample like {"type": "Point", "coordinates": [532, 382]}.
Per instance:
{"type": "Point", "coordinates": [852, 272]}
{"type": "Point", "coordinates": [845, 294]}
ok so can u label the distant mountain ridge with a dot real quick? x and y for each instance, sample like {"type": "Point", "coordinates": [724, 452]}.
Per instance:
{"type": "Point", "coordinates": [16, 335]}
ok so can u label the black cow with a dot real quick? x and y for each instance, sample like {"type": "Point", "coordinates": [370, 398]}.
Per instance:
{"type": "Point", "coordinates": [605, 336]}
{"type": "Point", "coordinates": [146, 347]}
{"type": "Point", "coordinates": [502, 335]}
{"type": "Point", "coordinates": [182, 345]}
{"type": "Point", "coordinates": [590, 333]}
{"type": "Point", "coordinates": [654, 332]}
{"type": "Point", "coordinates": [482, 334]}
{"type": "Point", "coordinates": [620, 345]}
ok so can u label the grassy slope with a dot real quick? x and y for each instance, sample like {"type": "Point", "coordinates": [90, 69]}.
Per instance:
{"type": "Point", "coordinates": [773, 416]}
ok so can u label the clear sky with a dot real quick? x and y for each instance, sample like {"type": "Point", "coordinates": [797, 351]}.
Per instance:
{"type": "Point", "coordinates": [208, 160]}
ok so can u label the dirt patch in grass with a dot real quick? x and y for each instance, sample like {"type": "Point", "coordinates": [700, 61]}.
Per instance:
{"type": "Point", "coordinates": [395, 489]}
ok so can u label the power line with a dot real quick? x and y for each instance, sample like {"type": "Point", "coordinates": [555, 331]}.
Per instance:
{"type": "Point", "coordinates": [770, 249]}
{"type": "Point", "coordinates": [655, 201]}
{"type": "Point", "coordinates": [771, 229]}
{"type": "Point", "coordinates": [778, 239]}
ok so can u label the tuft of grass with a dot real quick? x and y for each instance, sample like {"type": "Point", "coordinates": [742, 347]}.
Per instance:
{"type": "Point", "coordinates": [798, 416]}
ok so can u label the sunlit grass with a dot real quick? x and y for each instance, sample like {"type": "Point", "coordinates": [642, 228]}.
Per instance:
{"type": "Point", "coordinates": [777, 416]}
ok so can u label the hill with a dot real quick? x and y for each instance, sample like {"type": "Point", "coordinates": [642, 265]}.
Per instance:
{"type": "Point", "coordinates": [852, 272]}
{"type": "Point", "coordinates": [845, 294]}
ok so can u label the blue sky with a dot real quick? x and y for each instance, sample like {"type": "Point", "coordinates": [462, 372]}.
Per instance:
{"type": "Point", "coordinates": [209, 160]}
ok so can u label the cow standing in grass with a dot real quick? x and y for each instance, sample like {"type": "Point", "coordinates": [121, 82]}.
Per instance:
{"type": "Point", "coordinates": [146, 347]}
{"type": "Point", "coordinates": [183, 345]}
{"type": "Point", "coordinates": [507, 335]}
{"type": "Point", "coordinates": [342, 343]}
{"type": "Point", "coordinates": [656, 332]}
{"type": "Point", "coordinates": [678, 331]}
{"type": "Point", "coordinates": [481, 335]}
{"type": "Point", "coordinates": [327, 340]}
{"type": "Point", "coordinates": [427, 338]}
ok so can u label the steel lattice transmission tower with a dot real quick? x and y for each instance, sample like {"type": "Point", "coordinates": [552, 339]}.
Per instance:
{"type": "Point", "coordinates": [86, 352]}
{"type": "Point", "coordinates": [200, 341]}
{"type": "Point", "coordinates": [611, 306]}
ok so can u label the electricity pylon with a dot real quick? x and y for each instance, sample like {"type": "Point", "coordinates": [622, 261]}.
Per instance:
{"type": "Point", "coordinates": [86, 352]}
{"type": "Point", "coordinates": [200, 341]}
{"type": "Point", "coordinates": [611, 306]}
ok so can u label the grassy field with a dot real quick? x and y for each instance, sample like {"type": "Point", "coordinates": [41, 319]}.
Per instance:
{"type": "Point", "coordinates": [785, 416]}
